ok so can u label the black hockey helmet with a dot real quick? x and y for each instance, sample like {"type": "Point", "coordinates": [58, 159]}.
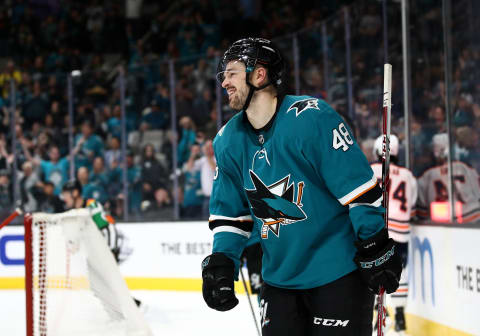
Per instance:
{"type": "Point", "coordinates": [72, 185]}
{"type": "Point", "coordinates": [252, 51]}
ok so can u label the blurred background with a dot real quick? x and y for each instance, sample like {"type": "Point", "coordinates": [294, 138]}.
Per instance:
{"type": "Point", "coordinates": [121, 95]}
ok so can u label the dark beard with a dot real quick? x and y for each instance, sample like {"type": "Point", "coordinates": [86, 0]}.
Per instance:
{"type": "Point", "coordinates": [238, 100]}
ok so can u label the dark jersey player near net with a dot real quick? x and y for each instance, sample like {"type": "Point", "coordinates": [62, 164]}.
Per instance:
{"type": "Point", "coordinates": [289, 170]}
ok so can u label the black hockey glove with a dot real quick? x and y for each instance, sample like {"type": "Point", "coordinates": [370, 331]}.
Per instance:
{"type": "Point", "coordinates": [217, 275]}
{"type": "Point", "coordinates": [378, 262]}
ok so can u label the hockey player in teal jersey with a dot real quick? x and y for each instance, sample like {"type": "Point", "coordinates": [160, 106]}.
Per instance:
{"type": "Point", "coordinates": [289, 169]}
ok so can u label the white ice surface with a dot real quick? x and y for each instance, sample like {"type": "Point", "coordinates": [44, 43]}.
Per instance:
{"type": "Point", "coordinates": [168, 314]}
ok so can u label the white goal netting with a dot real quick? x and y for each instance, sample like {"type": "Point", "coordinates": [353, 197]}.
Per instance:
{"type": "Point", "coordinates": [77, 288]}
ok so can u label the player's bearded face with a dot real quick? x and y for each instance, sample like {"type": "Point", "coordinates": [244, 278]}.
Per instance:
{"type": "Point", "coordinates": [234, 83]}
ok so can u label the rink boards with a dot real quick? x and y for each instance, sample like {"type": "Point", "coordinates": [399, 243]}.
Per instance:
{"type": "Point", "coordinates": [444, 269]}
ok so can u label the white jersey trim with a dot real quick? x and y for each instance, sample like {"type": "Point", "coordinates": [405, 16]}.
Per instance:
{"type": "Point", "coordinates": [241, 218]}
{"type": "Point", "coordinates": [232, 229]}
{"type": "Point", "coordinates": [375, 204]}
{"type": "Point", "coordinates": [358, 191]}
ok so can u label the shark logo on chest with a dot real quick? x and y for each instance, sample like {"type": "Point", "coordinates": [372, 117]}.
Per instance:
{"type": "Point", "coordinates": [276, 204]}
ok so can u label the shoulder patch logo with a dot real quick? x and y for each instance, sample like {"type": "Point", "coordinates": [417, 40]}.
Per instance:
{"type": "Point", "coordinates": [302, 105]}
{"type": "Point", "coordinates": [275, 204]}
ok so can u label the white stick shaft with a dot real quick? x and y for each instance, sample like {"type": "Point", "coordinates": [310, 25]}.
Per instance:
{"type": "Point", "coordinates": [387, 93]}
{"type": "Point", "coordinates": [386, 114]}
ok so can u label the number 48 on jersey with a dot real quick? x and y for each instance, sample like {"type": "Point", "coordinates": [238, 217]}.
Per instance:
{"type": "Point", "coordinates": [341, 138]}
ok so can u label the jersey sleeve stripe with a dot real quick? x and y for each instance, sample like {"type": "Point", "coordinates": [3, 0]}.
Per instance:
{"type": "Point", "coordinates": [231, 229]}
{"type": "Point", "coordinates": [375, 204]}
{"type": "Point", "coordinates": [246, 226]}
{"type": "Point", "coordinates": [240, 219]}
{"type": "Point", "coordinates": [398, 227]}
{"type": "Point", "coordinates": [398, 221]}
{"type": "Point", "coordinates": [399, 232]}
{"type": "Point", "coordinates": [359, 191]}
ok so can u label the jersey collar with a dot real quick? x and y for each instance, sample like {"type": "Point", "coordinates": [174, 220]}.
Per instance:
{"type": "Point", "coordinates": [269, 125]}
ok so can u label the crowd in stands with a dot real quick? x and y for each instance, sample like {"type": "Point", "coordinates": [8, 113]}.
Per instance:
{"type": "Point", "coordinates": [110, 48]}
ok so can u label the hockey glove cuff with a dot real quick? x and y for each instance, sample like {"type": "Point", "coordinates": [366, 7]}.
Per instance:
{"type": "Point", "coordinates": [218, 289]}
{"type": "Point", "coordinates": [378, 262]}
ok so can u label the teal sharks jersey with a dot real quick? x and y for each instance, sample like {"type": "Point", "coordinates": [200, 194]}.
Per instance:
{"type": "Point", "coordinates": [301, 185]}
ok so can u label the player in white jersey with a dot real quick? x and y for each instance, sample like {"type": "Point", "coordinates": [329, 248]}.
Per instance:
{"type": "Point", "coordinates": [433, 187]}
{"type": "Point", "coordinates": [402, 199]}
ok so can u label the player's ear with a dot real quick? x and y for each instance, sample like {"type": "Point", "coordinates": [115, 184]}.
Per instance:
{"type": "Point", "coordinates": [260, 76]}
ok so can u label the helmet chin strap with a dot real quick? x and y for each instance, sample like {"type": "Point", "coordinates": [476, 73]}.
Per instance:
{"type": "Point", "coordinates": [251, 91]}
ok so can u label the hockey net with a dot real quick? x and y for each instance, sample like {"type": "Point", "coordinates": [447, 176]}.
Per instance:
{"type": "Point", "coordinates": [73, 284]}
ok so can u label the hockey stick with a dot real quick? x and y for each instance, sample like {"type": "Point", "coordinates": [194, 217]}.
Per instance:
{"type": "Point", "coordinates": [386, 114]}
{"type": "Point", "coordinates": [11, 217]}
{"type": "Point", "coordinates": [250, 302]}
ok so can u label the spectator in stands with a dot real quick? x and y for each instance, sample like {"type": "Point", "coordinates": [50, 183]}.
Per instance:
{"type": "Point", "coordinates": [29, 187]}
{"type": "Point", "coordinates": [95, 21]}
{"type": "Point", "coordinates": [6, 194]}
{"type": "Point", "coordinates": [72, 195]}
{"type": "Point", "coordinates": [159, 208]}
{"type": "Point", "coordinates": [113, 153]}
{"type": "Point", "coordinates": [36, 106]}
{"type": "Point", "coordinates": [50, 127]}
{"type": "Point", "coordinates": [188, 134]}
{"type": "Point", "coordinates": [37, 72]}
{"type": "Point", "coordinates": [162, 96]}
{"type": "Point", "coordinates": [57, 113]}
{"type": "Point", "coordinates": [202, 106]}
{"type": "Point", "coordinates": [463, 115]}
{"type": "Point", "coordinates": [437, 122]}
{"type": "Point", "coordinates": [7, 75]}
{"type": "Point", "coordinates": [153, 174]}
{"type": "Point", "coordinates": [49, 202]}
{"type": "Point", "coordinates": [154, 117]}
{"type": "Point", "coordinates": [113, 122]}
{"type": "Point", "coordinates": [54, 170]}
{"type": "Point", "coordinates": [134, 184]}
{"type": "Point", "coordinates": [184, 91]}
{"type": "Point", "coordinates": [192, 195]}
{"type": "Point", "coordinates": [87, 146]}
{"type": "Point", "coordinates": [4, 116]}
{"type": "Point", "coordinates": [95, 190]}
{"type": "Point", "coordinates": [207, 165]}
{"type": "Point", "coordinates": [211, 126]}
{"type": "Point", "coordinates": [5, 158]}
{"type": "Point", "coordinates": [420, 147]}
{"type": "Point", "coordinates": [99, 174]}
{"type": "Point", "coordinates": [82, 177]}
{"type": "Point", "coordinates": [118, 207]}
{"type": "Point", "coordinates": [54, 92]}
{"type": "Point", "coordinates": [42, 143]}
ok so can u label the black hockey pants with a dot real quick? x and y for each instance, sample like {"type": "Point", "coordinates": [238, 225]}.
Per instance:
{"type": "Point", "coordinates": [341, 308]}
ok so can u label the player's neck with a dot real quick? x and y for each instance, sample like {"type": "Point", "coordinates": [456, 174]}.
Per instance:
{"type": "Point", "coordinates": [261, 109]}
